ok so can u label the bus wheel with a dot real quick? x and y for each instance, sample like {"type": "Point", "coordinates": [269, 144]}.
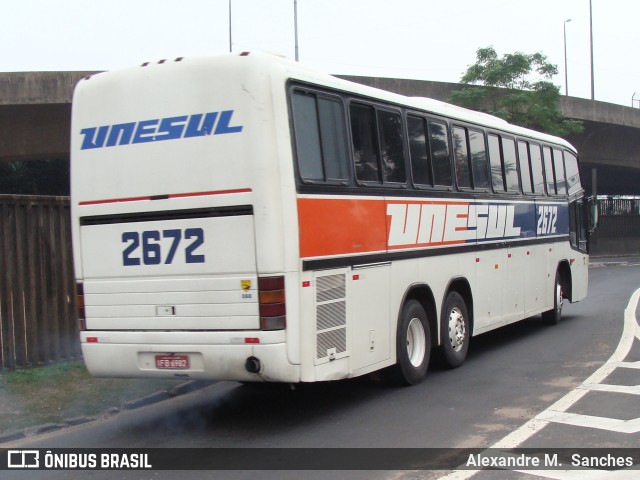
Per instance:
{"type": "Point", "coordinates": [413, 345]}
{"type": "Point", "coordinates": [455, 330]}
{"type": "Point", "coordinates": [553, 316]}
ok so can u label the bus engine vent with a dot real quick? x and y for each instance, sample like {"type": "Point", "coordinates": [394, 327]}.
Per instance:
{"type": "Point", "coordinates": [331, 316]}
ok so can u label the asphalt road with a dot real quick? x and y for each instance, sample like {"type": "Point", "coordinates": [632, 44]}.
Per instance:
{"type": "Point", "coordinates": [511, 378]}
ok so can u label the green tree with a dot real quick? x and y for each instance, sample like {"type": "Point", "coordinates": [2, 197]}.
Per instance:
{"type": "Point", "coordinates": [516, 87]}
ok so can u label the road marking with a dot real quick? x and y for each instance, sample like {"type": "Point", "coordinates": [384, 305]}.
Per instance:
{"type": "Point", "coordinates": [557, 412]}
{"type": "Point", "coordinates": [605, 387]}
{"type": "Point", "coordinates": [590, 421]}
{"type": "Point", "coordinates": [629, 364]}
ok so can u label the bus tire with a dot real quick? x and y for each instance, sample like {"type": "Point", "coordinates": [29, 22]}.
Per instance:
{"type": "Point", "coordinates": [554, 315]}
{"type": "Point", "coordinates": [455, 330]}
{"type": "Point", "coordinates": [413, 345]}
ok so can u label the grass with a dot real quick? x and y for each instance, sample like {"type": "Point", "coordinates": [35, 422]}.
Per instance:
{"type": "Point", "coordinates": [51, 394]}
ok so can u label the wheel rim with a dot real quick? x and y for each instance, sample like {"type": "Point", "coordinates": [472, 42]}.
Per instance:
{"type": "Point", "coordinates": [457, 329]}
{"type": "Point", "coordinates": [559, 299]}
{"type": "Point", "coordinates": [416, 342]}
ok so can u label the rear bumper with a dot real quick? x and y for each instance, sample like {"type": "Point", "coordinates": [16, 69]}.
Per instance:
{"type": "Point", "coordinates": [212, 355]}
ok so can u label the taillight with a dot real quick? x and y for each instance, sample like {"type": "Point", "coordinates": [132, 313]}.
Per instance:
{"type": "Point", "coordinates": [80, 306]}
{"type": "Point", "coordinates": [273, 311]}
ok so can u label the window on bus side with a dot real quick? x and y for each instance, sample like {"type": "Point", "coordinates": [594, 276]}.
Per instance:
{"type": "Point", "coordinates": [461, 157]}
{"type": "Point", "coordinates": [577, 225]}
{"type": "Point", "coordinates": [495, 160]}
{"type": "Point", "coordinates": [572, 171]}
{"type": "Point", "coordinates": [419, 151]}
{"type": "Point", "coordinates": [548, 171]}
{"type": "Point", "coordinates": [439, 143]}
{"type": "Point", "coordinates": [334, 139]}
{"type": "Point", "coordinates": [583, 243]}
{"type": "Point", "coordinates": [321, 144]}
{"type": "Point", "coordinates": [392, 146]}
{"type": "Point", "coordinates": [307, 132]}
{"type": "Point", "coordinates": [536, 168]}
{"type": "Point", "coordinates": [365, 140]}
{"type": "Point", "coordinates": [478, 155]}
{"type": "Point", "coordinates": [573, 224]}
{"type": "Point", "coordinates": [558, 168]}
{"type": "Point", "coordinates": [525, 173]}
{"type": "Point", "coordinates": [510, 165]}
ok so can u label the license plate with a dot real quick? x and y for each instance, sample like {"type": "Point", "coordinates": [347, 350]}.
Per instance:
{"type": "Point", "coordinates": [172, 362]}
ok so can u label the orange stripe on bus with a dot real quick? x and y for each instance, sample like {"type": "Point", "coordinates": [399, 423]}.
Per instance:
{"type": "Point", "coordinates": [341, 226]}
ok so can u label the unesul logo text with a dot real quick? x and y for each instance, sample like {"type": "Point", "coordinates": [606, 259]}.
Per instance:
{"type": "Point", "coordinates": [159, 129]}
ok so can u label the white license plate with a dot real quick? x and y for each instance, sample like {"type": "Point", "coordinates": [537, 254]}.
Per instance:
{"type": "Point", "coordinates": [172, 362]}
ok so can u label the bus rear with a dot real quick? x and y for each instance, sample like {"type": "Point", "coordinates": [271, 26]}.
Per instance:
{"type": "Point", "coordinates": [167, 207]}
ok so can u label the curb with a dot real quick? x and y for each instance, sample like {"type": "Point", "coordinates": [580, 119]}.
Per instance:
{"type": "Point", "coordinates": [157, 397]}
{"type": "Point", "coordinates": [613, 261]}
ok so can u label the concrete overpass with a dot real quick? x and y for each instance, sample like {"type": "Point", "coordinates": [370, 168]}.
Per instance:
{"type": "Point", "coordinates": [35, 113]}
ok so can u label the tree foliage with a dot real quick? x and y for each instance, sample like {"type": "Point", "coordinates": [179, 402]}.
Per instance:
{"type": "Point", "coordinates": [516, 87]}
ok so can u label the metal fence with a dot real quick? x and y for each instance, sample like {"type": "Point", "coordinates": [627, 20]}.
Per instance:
{"type": "Point", "coordinates": [37, 287]}
{"type": "Point", "coordinates": [618, 217]}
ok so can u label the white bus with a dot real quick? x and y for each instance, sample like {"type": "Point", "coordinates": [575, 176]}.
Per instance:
{"type": "Point", "coordinates": [243, 217]}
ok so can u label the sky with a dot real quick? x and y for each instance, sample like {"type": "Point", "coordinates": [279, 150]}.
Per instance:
{"type": "Point", "coordinates": [419, 39]}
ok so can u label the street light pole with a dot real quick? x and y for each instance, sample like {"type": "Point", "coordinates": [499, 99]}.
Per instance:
{"type": "Point", "coordinates": [593, 97]}
{"type": "Point", "coordinates": [566, 72]}
{"type": "Point", "coordinates": [295, 25]}
{"type": "Point", "coordinates": [230, 43]}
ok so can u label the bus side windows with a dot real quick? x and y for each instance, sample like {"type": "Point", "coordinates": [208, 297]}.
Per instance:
{"type": "Point", "coordinates": [419, 151]}
{"type": "Point", "coordinates": [392, 146]}
{"type": "Point", "coordinates": [510, 165]}
{"type": "Point", "coordinates": [321, 144]}
{"type": "Point", "coordinates": [536, 168]}
{"type": "Point", "coordinates": [572, 171]}
{"type": "Point", "coordinates": [525, 172]}
{"type": "Point", "coordinates": [470, 158]}
{"type": "Point", "coordinates": [504, 167]}
{"type": "Point", "coordinates": [554, 171]}
{"type": "Point", "coordinates": [364, 135]}
{"type": "Point", "coordinates": [558, 168]}
{"type": "Point", "coordinates": [548, 171]}
{"type": "Point", "coordinates": [461, 157]}
{"type": "Point", "coordinates": [578, 225]}
{"type": "Point", "coordinates": [429, 150]}
{"type": "Point", "coordinates": [439, 143]}
{"type": "Point", "coordinates": [478, 155]}
{"type": "Point", "coordinates": [497, 177]}
{"type": "Point", "coordinates": [378, 144]}
{"type": "Point", "coordinates": [334, 139]}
